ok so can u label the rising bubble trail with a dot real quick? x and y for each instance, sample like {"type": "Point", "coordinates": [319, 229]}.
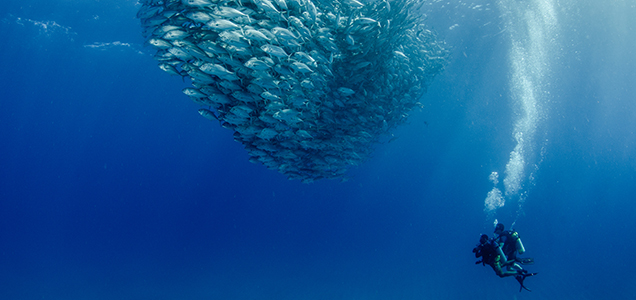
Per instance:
{"type": "Point", "coordinates": [531, 26]}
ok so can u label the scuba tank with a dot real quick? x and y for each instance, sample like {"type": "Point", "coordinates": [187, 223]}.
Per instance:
{"type": "Point", "coordinates": [518, 243]}
{"type": "Point", "coordinates": [520, 248]}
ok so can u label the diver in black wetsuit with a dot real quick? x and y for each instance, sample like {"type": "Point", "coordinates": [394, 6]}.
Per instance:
{"type": "Point", "coordinates": [492, 255]}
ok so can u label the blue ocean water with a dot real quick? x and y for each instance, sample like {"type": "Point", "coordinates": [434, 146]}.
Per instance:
{"type": "Point", "coordinates": [113, 187]}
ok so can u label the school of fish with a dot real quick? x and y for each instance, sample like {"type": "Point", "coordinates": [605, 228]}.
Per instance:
{"type": "Point", "coordinates": [307, 87]}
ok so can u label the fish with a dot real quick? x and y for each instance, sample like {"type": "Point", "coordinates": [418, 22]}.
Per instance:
{"type": "Point", "coordinates": [304, 58]}
{"type": "Point", "coordinates": [300, 67]}
{"type": "Point", "coordinates": [269, 96]}
{"type": "Point", "coordinates": [308, 84]}
{"type": "Point", "coordinates": [304, 134]}
{"type": "Point", "coordinates": [220, 99]}
{"type": "Point", "coordinates": [197, 3]}
{"type": "Point", "coordinates": [154, 21]}
{"type": "Point", "coordinates": [199, 76]}
{"type": "Point", "coordinates": [283, 33]}
{"type": "Point", "coordinates": [346, 91]}
{"type": "Point", "coordinates": [208, 114]}
{"type": "Point", "coordinates": [256, 64]}
{"type": "Point", "coordinates": [274, 50]}
{"type": "Point", "coordinates": [241, 111]}
{"type": "Point", "coordinates": [266, 6]}
{"type": "Point", "coordinates": [354, 4]}
{"type": "Point", "coordinates": [222, 25]}
{"type": "Point", "coordinates": [199, 16]}
{"type": "Point", "coordinates": [175, 34]}
{"type": "Point", "coordinates": [243, 96]}
{"type": "Point", "coordinates": [180, 54]}
{"type": "Point", "coordinates": [146, 11]}
{"type": "Point", "coordinates": [311, 9]}
{"type": "Point", "coordinates": [255, 35]}
{"type": "Point", "coordinates": [281, 4]}
{"type": "Point", "coordinates": [194, 93]}
{"type": "Point", "coordinates": [169, 69]}
{"type": "Point", "coordinates": [215, 69]}
{"type": "Point", "coordinates": [234, 38]}
{"type": "Point", "coordinates": [160, 43]}
{"type": "Point", "coordinates": [229, 12]}
{"type": "Point", "coordinates": [211, 47]}
{"type": "Point", "coordinates": [308, 87]}
{"type": "Point", "coordinates": [267, 134]}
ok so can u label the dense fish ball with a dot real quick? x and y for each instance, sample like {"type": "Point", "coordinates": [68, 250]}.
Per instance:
{"type": "Point", "coordinates": [307, 87]}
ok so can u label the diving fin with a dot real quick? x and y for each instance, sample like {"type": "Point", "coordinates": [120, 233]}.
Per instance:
{"type": "Point", "coordinates": [521, 278]}
{"type": "Point", "coordinates": [526, 261]}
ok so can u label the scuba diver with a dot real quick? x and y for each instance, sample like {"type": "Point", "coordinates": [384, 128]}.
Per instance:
{"type": "Point", "coordinates": [511, 244]}
{"type": "Point", "coordinates": [491, 254]}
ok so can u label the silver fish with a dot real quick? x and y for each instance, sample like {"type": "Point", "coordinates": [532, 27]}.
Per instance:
{"type": "Point", "coordinates": [220, 98]}
{"type": "Point", "coordinates": [169, 69]}
{"type": "Point", "coordinates": [199, 76]}
{"type": "Point", "coordinates": [256, 64]}
{"type": "Point", "coordinates": [283, 33]}
{"type": "Point", "coordinates": [154, 21]}
{"type": "Point", "coordinates": [175, 34]}
{"type": "Point", "coordinates": [241, 111]}
{"type": "Point", "coordinates": [212, 47]}
{"type": "Point", "coordinates": [222, 25]}
{"type": "Point", "coordinates": [346, 91]}
{"type": "Point", "coordinates": [267, 134]}
{"type": "Point", "coordinates": [233, 37]}
{"type": "Point", "coordinates": [255, 35]}
{"type": "Point", "coordinates": [208, 114]}
{"type": "Point", "coordinates": [194, 93]}
{"type": "Point", "coordinates": [303, 134]}
{"type": "Point", "coordinates": [160, 31]}
{"type": "Point", "coordinates": [199, 16]}
{"type": "Point", "coordinates": [182, 55]}
{"type": "Point", "coordinates": [146, 11]}
{"type": "Point", "coordinates": [215, 69]}
{"type": "Point", "coordinates": [308, 84]}
{"type": "Point", "coordinates": [281, 4]}
{"type": "Point", "coordinates": [266, 83]}
{"type": "Point", "coordinates": [228, 84]}
{"type": "Point", "coordinates": [274, 50]}
{"type": "Point", "coordinates": [228, 12]}
{"type": "Point", "coordinates": [243, 96]}
{"type": "Point", "coordinates": [197, 3]}
{"type": "Point", "coordinates": [304, 57]}
{"type": "Point", "coordinates": [159, 43]}
{"type": "Point", "coordinates": [300, 67]}
{"type": "Point", "coordinates": [266, 6]}
{"type": "Point", "coordinates": [311, 9]}
{"type": "Point", "coordinates": [269, 96]}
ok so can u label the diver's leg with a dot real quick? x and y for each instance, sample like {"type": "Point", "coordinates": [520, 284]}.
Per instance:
{"type": "Point", "coordinates": [500, 272]}
{"type": "Point", "coordinates": [510, 273]}
{"type": "Point", "coordinates": [513, 266]}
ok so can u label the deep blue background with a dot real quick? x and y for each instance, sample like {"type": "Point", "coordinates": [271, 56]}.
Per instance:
{"type": "Point", "coordinates": [113, 187]}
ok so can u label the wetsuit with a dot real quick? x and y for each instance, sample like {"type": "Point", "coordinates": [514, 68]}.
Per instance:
{"type": "Point", "coordinates": [508, 241]}
{"type": "Point", "coordinates": [490, 255]}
